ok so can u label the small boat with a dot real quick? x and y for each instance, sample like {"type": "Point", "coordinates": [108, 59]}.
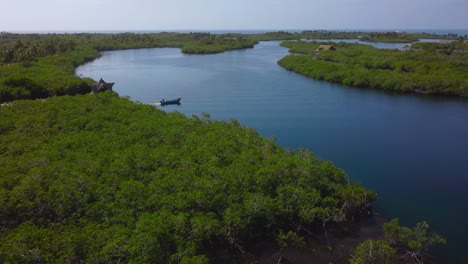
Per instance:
{"type": "Point", "coordinates": [167, 102]}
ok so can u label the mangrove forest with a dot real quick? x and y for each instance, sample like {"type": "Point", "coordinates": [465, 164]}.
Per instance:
{"type": "Point", "coordinates": [97, 178]}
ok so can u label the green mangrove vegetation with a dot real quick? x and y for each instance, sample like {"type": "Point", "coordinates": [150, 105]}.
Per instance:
{"type": "Point", "coordinates": [426, 69]}
{"type": "Point", "coordinates": [42, 65]}
{"type": "Point", "coordinates": [307, 34]}
{"type": "Point", "coordinates": [400, 242]}
{"type": "Point", "coordinates": [391, 37]}
{"type": "Point", "coordinates": [403, 37]}
{"type": "Point", "coordinates": [99, 178]}
{"type": "Point", "coordinates": [372, 252]}
{"type": "Point", "coordinates": [413, 243]}
{"type": "Point", "coordinates": [441, 47]}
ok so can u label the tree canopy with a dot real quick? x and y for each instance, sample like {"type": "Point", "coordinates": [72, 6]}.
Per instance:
{"type": "Point", "coordinates": [98, 178]}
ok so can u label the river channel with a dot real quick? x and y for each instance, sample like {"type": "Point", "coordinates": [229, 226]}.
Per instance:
{"type": "Point", "coordinates": [412, 150]}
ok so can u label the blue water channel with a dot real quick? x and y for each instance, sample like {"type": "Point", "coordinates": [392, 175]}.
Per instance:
{"type": "Point", "coordinates": [412, 150]}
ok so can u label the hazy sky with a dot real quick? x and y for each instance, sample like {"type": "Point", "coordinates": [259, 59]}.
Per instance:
{"type": "Point", "coordinates": [231, 14]}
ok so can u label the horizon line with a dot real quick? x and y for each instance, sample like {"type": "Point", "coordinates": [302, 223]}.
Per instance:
{"type": "Point", "coordinates": [419, 30]}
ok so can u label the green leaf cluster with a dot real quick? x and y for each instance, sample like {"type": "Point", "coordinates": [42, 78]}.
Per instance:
{"type": "Point", "coordinates": [373, 252]}
{"type": "Point", "coordinates": [416, 238]}
{"type": "Point", "coordinates": [98, 178]}
{"type": "Point", "coordinates": [414, 242]}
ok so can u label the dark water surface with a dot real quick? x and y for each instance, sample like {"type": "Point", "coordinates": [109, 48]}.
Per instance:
{"type": "Point", "coordinates": [412, 150]}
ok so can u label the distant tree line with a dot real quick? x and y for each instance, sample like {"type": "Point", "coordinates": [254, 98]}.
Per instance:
{"type": "Point", "coordinates": [26, 52]}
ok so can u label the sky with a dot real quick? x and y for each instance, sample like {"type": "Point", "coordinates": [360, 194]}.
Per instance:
{"type": "Point", "coordinates": [94, 15]}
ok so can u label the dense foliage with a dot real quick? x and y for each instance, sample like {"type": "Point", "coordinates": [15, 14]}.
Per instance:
{"type": "Point", "coordinates": [425, 70]}
{"type": "Point", "coordinates": [364, 36]}
{"type": "Point", "coordinates": [441, 48]}
{"type": "Point", "coordinates": [397, 37]}
{"type": "Point", "coordinates": [26, 47]}
{"type": "Point", "coordinates": [373, 252]}
{"type": "Point", "coordinates": [412, 242]}
{"type": "Point", "coordinates": [45, 76]}
{"type": "Point", "coordinates": [216, 44]}
{"type": "Point", "coordinates": [404, 37]}
{"type": "Point", "coordinates": [100, 179]}
{"type": "Point", "coordinates": [408, 245]}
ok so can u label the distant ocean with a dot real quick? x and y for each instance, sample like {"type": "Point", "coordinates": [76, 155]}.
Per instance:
{"type": "Point", "coordinates": [460, 32]}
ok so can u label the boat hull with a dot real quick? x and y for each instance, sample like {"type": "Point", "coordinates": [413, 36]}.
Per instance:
{"type": "Point", "coordinates": [168, 102]}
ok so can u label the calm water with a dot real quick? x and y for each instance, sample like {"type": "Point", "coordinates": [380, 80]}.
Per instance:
{"type": "Point", "coordinates": [412, 150]}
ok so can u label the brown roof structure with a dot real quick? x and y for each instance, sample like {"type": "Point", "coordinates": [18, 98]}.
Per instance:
{"type": "Point", "coordinates": [325, 47]}
{"type": "Point", "coordinates": [101, 86]}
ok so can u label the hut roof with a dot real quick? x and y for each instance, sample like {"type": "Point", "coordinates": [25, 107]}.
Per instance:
{"type": "Point", "coordinates": [101, 86]}
{"type": "Point", "coordinates": [325, 47]}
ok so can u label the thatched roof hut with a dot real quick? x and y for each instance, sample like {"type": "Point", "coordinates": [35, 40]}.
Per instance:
{"type": "Point", "coordinates": [325, 47]}
{"type": "Point", "coordinates": [101, 86]}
